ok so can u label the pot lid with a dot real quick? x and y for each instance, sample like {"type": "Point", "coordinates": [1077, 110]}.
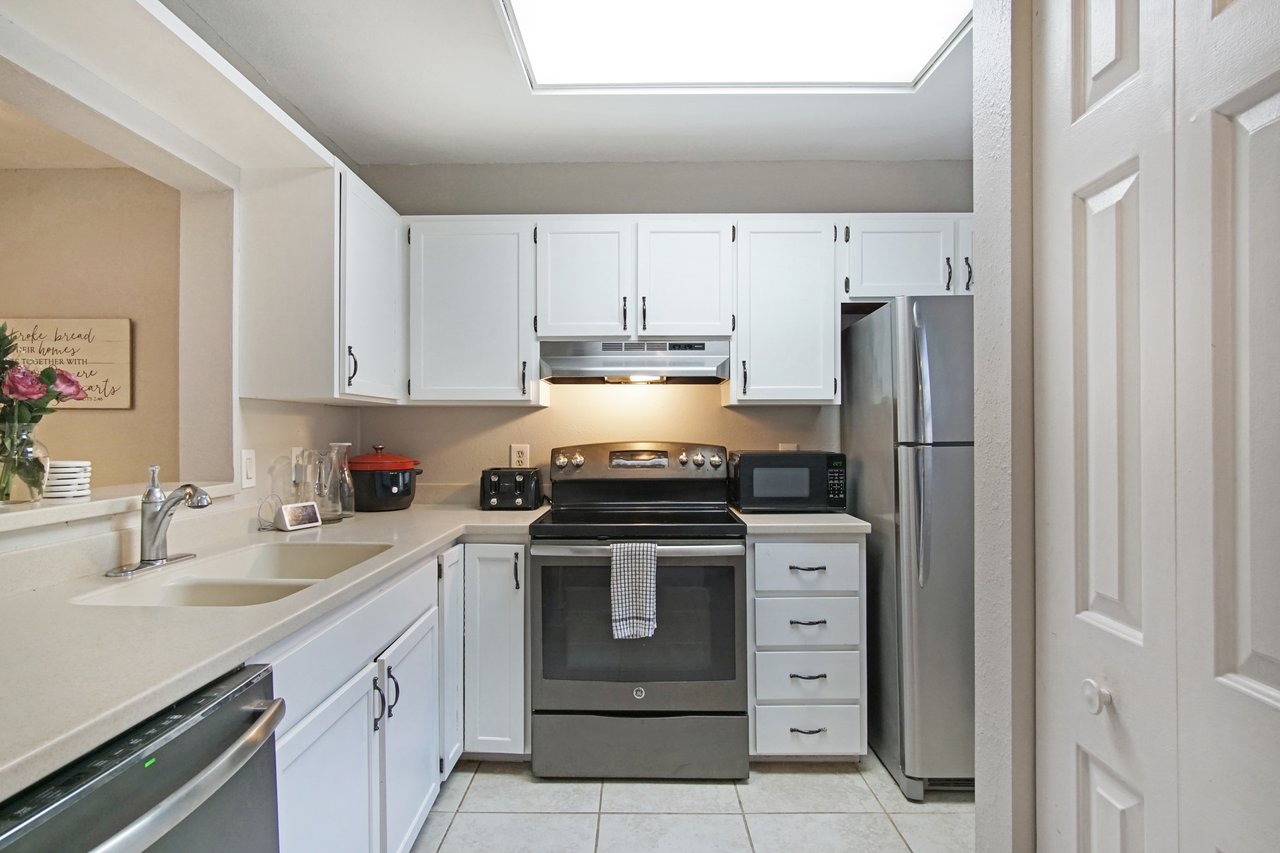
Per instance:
{"type": "Point", "coordinates": [380, 460]}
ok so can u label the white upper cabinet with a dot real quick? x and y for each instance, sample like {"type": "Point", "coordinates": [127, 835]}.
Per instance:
{"type": "Point", "coordinates": [322, 289]}
{"type": "Point", "coordinates": [785, 348]}
{"type": "Point", "coordinates": [471, 338]}
{"type": "Point", "coordinates": [902, 255]}
{"type": "Point", "coordinates": [685, 277]}
{"type": "Point", "coordinates": [372, 293]}
{"type": "Point", "coordinates": [586, 277]}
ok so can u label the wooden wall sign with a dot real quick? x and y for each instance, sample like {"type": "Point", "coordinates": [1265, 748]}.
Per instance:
{"type": "Point", "coordinates": [98, 352]}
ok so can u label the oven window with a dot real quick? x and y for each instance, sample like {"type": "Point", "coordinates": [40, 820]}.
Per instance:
{"type": "Point", "coordinates": [780, 482]}
{"type": "Point", "coordinates": [693, 641]}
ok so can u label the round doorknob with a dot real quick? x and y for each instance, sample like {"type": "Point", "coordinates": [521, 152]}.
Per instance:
{"type": "Point", "coordinates": [1096, 697]}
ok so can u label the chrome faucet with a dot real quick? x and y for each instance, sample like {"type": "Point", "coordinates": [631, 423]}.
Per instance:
{"type": "Point", "coordinates": [157, 512]}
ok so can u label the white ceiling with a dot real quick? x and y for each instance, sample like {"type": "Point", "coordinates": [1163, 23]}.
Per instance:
{"type": "Point", "coordinates": [436, 81]}
{"type": "Point", "coordinates": [28, 143]}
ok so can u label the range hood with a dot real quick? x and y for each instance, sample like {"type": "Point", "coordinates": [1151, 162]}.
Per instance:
{"type": "Point", "coordinates": [635, 361]}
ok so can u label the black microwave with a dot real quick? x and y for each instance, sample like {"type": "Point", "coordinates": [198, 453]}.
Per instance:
{"type": "Point", "coordinates": [787, 481]}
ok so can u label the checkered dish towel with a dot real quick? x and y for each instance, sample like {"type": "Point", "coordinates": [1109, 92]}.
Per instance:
{"type": "Point", "coordinates": [633, 569]}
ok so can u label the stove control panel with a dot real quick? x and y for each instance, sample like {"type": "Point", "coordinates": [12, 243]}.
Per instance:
{"type": "Point", "coordinates": [639, 460]}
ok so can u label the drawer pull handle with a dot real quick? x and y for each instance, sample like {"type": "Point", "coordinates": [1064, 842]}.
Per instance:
{"type": "Point", "coordinates": [808, 568]}
{"type": "Point", "coordinates": [808, 621]}
{"type": "Point", "coordinates": [808, 677]}
{"type": "Point", "coordinates": [796, 731]}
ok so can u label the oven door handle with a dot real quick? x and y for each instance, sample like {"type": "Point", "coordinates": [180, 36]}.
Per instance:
{"type": "Point", "coordinates": [662, 551]}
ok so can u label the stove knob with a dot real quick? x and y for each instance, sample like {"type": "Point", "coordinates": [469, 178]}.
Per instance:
{"type": "Point", "coordinates": [684, 458]}
{"type": "Point", "coordinates": [519, 478]}
{"type": "Point", "coordinates": [493, 501]}
{"type": "Point", "coordinates": [519, 501]}
{"type": "Point", "coordinates": [715, 460]}
{"type": "Point", "coordinates": [493, 478]}
{"type": "Point", "coordinates": [561, 460]}
{"type": "Point", "coordinates": [578, 460]}
{"type": "Point", "coordinates": [699, 459]}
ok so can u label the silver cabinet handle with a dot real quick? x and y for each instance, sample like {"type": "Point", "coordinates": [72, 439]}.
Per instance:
{"type": "Point", "coordinates": [515, 567]}
{"type": "Point", "coordinates": [808, 677]}
{"type": "Point", "coordinates": [175, 808]}
{"type": "Point", "coordinates": [796, 731]}
{"type": "Point", "coordinates": [807, 568]}
{"type": "Point", "coordinates": [808, 621]}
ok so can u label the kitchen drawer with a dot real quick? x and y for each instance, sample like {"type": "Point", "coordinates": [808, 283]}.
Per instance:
{"type": "Point", "coordinates": [835, 730]}
{"type": "Point", "coordinates": [811, 567]}
{"type": "Point", "coordinates": [841, 679]}
{"type": "Point", "coordinates": [778, 621]}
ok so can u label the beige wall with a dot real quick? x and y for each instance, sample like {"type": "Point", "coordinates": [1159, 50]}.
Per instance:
{"type": "Point", "coordinates": [773, 187]}
{"type": "Point", "coordinates": [456, 443]}
{"type": "Point", "coordinates": [100, 243]}
{"type": "Point", "coordinates": [270, 429]}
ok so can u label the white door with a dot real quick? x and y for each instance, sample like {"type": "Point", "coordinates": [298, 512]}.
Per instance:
{"type": "Point", "coordinates": [327, 773]}
{"type": "Point", "coordinates": [684, 271]}
{"type": "Point", "coordinates": [1228, 423]}
{"type": "Point", "coordinates": [411, 738]}
{"type": "Point", "coordinates": [451, 641]}
{"type": "Point", "coordinates": [785, 347]}
{"type": "Point", "coordinates": [964, 255]}
{"type": "Point", "coordinates": [471, 311]}
{"type": "Point", "coordinates": [1107, 774]}
{"type": "Point", "coordinates": [494, 696]}
{"type": "Point", "coordinates": [587, 277]}
{"type": "Point", "coordinates": [905, 255]}
{"type": "Point", "coordinates": [372, 284]}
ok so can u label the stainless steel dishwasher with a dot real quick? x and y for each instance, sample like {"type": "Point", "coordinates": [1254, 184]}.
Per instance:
{"type": "Point", "coordinates": [198, 776]}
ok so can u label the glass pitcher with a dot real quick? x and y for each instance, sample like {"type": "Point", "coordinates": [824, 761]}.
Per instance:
{"type": "Point", "coordinates": [320, 485]}
{"type": "Point", "coordinates": [339, 453]}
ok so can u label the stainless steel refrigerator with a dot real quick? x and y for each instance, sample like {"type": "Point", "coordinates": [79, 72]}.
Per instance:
{"type": "Point", "coordinates": [907, 429]}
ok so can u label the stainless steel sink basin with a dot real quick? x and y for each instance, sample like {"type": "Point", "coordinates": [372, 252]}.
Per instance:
{"type": "Point", "coordinates": [255, 575]}
{"type": "Point", "coordinates": [197, 592]}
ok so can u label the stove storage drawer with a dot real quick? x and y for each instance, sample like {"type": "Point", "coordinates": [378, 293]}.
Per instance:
{"type": "Point", "coordinates": [806, 567]}
{"type": "Point", "coordinates": [803, 622]}
{"type": "Point", "coordinates": [808, 676]}
{"type": "Point", "coordinates": [810, 730]}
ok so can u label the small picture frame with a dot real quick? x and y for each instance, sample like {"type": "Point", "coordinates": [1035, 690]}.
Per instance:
{"type": "Point", "coordinates": [297, 516]}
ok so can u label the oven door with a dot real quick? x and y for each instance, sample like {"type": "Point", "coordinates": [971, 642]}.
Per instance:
{"type": "Point", "coordinates": [694, 662]}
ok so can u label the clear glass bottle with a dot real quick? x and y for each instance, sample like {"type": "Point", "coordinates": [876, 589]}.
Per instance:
{"type": "Point", "coordinates": [340, 454]}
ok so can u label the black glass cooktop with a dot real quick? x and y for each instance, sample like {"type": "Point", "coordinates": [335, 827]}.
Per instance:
{"type": "Point", "coordinates": [647, 524]}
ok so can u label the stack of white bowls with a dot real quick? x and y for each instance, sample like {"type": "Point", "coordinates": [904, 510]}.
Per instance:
{"type": "Point", "coordinates": [67, 479]}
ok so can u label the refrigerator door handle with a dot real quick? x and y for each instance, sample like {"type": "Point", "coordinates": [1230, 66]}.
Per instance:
{"type": "Point", "coordinates": [924, 396]}
{"type": "Point", "coordinates": [923, 513]}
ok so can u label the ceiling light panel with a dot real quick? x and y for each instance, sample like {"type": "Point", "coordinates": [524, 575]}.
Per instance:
{"type": "Point", "coordinates": [732, 43]}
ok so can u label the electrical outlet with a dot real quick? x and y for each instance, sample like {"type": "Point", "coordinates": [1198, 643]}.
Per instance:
{"type": "Point", "coordinates": [519, 456]}
{"type": "Point", "coordinates": [248, 469]}
{"type": "Point", "coordinates": [785, 445]}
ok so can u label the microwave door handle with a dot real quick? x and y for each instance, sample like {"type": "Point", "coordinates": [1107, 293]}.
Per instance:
{"type": "Point", "coordinates": [176, 807]}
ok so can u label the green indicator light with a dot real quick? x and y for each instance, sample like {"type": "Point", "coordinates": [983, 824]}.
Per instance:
{"type": "Point", "coordinates": [150, 761]}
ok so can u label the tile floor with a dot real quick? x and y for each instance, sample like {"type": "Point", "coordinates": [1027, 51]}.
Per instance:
{"type": "Point", "coordinates": [784, 808]}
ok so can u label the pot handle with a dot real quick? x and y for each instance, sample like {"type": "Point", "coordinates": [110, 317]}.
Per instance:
{"type": "Point", "coordinates": [417, 472]}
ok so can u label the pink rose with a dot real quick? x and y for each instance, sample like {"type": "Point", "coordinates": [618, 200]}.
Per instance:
{"type": "Point", "coordinates": [22, 384]}
{"type": "Point", "coordinates": [67, 386]}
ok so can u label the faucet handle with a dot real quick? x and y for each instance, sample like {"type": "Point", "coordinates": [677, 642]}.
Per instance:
{"type": "Point", "coordinates": [153, 494]}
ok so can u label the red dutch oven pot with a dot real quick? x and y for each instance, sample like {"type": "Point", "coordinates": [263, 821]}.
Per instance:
{"type": "Point", "coordinates": [383, 481]}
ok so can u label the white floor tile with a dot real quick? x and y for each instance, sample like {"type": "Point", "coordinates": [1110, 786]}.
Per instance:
{"type": "Point", "coordinates": [521, 833]}
{"type": "Point", "coordinates": [937, 833]}
{"type": "Point", "coordinates": [664, 833]}
{"type": "Point", "coordinates": [432, 832]}
{"type": "Point", "coordinates": [806, 788]}
{"type": "Point", "coordinates": [500, 787]}
{"type": "Point", "coordinates": [891, 798]}
{"type": "Point", "coordinates": [670, 797]}
{"type": "Point", "coordinates": [454, 787]}
{"type": "Point", "coordinates": [824, 833]}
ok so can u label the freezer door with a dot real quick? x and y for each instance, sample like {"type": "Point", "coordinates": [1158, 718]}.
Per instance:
{"type": "Point", "coordinates": [934, 369]}
{"type": "Point", "coordinates": [935, 576]}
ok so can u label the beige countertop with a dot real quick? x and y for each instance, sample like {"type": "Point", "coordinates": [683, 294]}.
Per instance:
{"type": "Point", "coordinates": [77, 675]}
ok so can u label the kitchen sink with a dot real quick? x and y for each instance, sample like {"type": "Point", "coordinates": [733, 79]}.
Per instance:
{"type": "Point", "coordinates": [257, 574]}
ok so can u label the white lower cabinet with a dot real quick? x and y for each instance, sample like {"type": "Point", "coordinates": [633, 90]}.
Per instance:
{"type": "Point", "coordinates": [807, 648]}
{"type": "Point", "coordinates": [358, 758]}
{"type": "Point", "coordinates": [494, 699]}
{"type": "Point", "coordinates": [450, 572]}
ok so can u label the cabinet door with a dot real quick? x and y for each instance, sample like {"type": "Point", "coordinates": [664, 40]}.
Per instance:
{"type": "Point", "coordinates": [411, 758]}
{"type": "Point", "coordinates": [906, 256]}
{"type": "Point", "coordinates": [327, 772]}
{"type": "Point", "coordinates": [586, 277]}
{"type": "Point", "coordinates": [471, 311]}
{"type": "Point", "coordinates": [372, 284]}
{"type": "Point", "coordinates": [684, 270]}
{"type": "Point", "coordinates": [785, 350]}
{"type": "Point", "coordinates": [450, 658]}
{"type": "Point", "coordinates": [964, 251]}
{"type": "Point", "coordinates": [494, 698]}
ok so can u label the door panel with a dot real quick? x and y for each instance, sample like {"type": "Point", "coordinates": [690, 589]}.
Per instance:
{"type": "Point", "coordinates": [373, 294]}
{"type": "Point", "coordinates": [936, 581]}
{"type": "Point", "coordinates": [586, 277]}
{"type": "Point", "coordinates": [411, 761]}
{"type": "Point", "coordinates": [1103, 344]}
{"type": "Point", "coordinates": [902, 256]}
{"type": "Point", "coordinates": [1228, 421]}
{"type": "Point", "coordinates": [685, 277]}
{"type": "Point", "coordinates": [494, 697]}
{"type": "Point", "coordinates": [451, 642]}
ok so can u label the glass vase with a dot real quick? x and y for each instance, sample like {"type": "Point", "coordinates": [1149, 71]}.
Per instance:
{"type": "Point", "coordinates": [24, 464]}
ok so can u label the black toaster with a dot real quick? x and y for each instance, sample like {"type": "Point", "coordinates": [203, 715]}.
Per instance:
{"type": "Point", "coordinates": [510, 488]}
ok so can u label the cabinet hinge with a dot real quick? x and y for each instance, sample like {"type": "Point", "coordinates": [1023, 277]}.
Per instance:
{"type": "Point", "coordinates": [535, 323]}
{"type": "Point", "coordinates": [733, 233]}
{"type": "Point", "coordinates": [442, 765]}
{"type": "Point", "coordinates": [733, 322]}
{"type": "Point", "coordinates": [535, 233]}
